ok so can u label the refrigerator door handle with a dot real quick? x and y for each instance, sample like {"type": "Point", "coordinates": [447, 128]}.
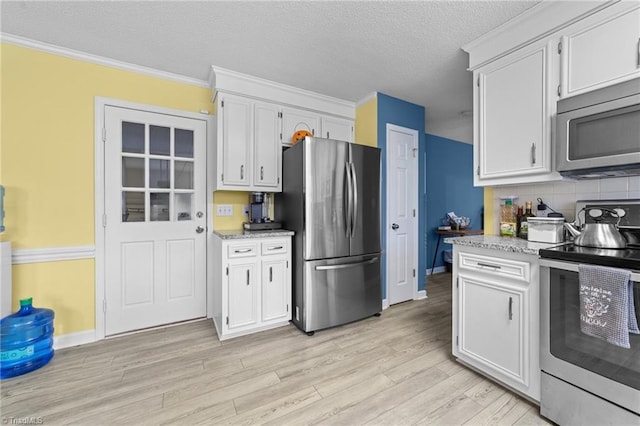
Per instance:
{"type": "Point", "coordinates": [354, 213]}
{"type": "Point", "coordinates": [347, 265]}
{"type": "Point", "coordinates": [349, 212]}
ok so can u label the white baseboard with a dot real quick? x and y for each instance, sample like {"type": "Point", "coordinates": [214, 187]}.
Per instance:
{"type": "Point", "coordinates": [74, 339]}
{"type": "Point", "coordinates": [385, 304]}
{"type": "Point", "coordinates": [422, 294]}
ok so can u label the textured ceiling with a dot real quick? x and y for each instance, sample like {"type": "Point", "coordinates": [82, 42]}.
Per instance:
{"type": "Point", "coordinates": [345, 49]}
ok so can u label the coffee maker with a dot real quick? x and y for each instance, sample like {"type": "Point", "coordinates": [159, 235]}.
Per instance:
{"type": "Point", "coordinates": [259, 213]}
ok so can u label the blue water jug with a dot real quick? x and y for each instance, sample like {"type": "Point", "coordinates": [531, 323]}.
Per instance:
{"type": "Point", "coordinates": [26, 340]}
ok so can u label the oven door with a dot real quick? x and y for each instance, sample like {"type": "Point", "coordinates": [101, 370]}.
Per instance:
{"type": "Point", "coordinates": [600, 368]}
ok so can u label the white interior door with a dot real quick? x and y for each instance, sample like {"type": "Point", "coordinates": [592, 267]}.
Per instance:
{"type": "Point", "coordinates": [155, 205]}
{"type": "Point", "coordinates": [402, 230]}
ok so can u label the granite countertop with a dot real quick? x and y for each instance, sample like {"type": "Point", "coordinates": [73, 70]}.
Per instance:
{"type": "Point", "coordinates": [512, 244]}
{"type": "Point", "coordinates": [236, 234]}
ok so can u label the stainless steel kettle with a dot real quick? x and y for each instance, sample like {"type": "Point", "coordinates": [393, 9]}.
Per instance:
{"type": "Point", "coordinates": [598, 235]}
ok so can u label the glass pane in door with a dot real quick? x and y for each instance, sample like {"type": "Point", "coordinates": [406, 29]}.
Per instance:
{"type": "Point", "coordinates": [183, 174]}
{"type": "Point", "coordinates": [159, 206]}
{"type": "Point", "coordinates": [183, 206]}
{"type": "Point", "coordinates": [133, 206]}
{"type": "Point", "coordinates": [132, 172]}
{"type": "Point", "coordinates": [159, 140]}
{"type": "Point", "coordinates": [132, 137]}
{"type": "Point", "coordinates": [184, 143]}
{"type": "Point", "coordinates": [159, 176]}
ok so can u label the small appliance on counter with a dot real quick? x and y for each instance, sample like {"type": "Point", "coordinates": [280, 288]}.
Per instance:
{"type": "Point", "coordinates": [259, 213]}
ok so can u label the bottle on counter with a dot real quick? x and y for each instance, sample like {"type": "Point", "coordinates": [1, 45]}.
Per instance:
{"type": "Point", "coordinates": [519, 219]}
{"type": "Point", "coordinates": [524, 224]}
{"type": "Point", "coordinates": [508, 220]}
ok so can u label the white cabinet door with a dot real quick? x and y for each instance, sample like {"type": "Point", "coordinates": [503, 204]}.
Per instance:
{"type": "Point", "coordinates": [491, 327]}
{"type": "Point", "coordinates": [337, 128]}
{"type": "Point", "coordinates": [597, 54]}
{"type": "Point", "coordinates": [242, 295]}
{"type": "Point", "coordinates": [514, 118]}
{"type": "Point", "coordinates": [276, 289]}
{"type": "Point", "coordinates": [267, 150]}
{"type": "Point", "coordinates": [294, 120]}
{"type": "Point", "coordinates": [237, 139]}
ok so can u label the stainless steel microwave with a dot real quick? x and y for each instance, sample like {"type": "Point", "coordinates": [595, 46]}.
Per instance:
{"type": "Point", "coordinates": [598, 133]}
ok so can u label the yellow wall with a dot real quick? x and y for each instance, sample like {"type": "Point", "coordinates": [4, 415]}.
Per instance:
{"type": "Point", "coordinates": [47, 165]}
{"type": "Point", "coordinates": [366, 132]}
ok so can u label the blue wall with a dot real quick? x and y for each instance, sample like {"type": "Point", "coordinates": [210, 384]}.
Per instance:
{"type": "Point", "coordinates": [401, 113]}
{"type": "Point", "coordinates": [449, 174]}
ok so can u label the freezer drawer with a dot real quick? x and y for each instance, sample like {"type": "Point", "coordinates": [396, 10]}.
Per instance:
{"type": "Point", "coordinates": [337, 291]}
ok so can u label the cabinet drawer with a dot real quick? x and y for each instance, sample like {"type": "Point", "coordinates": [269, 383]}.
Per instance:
{"type": "Point", "coordinates": [507, 268]}
{"type": "Point", "coordinates": [274, 247]}
{"type": "Point", "coordinates": [242, 250]}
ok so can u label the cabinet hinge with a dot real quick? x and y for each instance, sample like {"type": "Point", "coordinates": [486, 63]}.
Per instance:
{"type": "Point", "coordinates": [457, 282]}
{"type": "Point", "coordinates": [222, 106]}
{"type": "Point", "coordinates": [104, 305]}
{"type": "Point", "coordinates": [104, 220]}
{"type": "Point", "coordinates": [227, 270]}
{"type": "Point", "coordinates": [281, 137]}
{"type": "Point", "coordinates": [559, 48]}
{"type": "Point", "coordinates": [287, 307]}
{"type": "Point", "coordinates": [559, 87]}
{"type": "Point", "coordinates": [478, 170]}
{"type": "Point", "coordinates": [456, 338]}
{"type": "Point", "coordinates": [278, 181]}
{"type": "Point", "coordinates": [478, 82]}
{"type": "Point", "coordinates": [414, 273]}
{"type": "Point", "coordinates": [228, 324]}
{"type": "Point", "coordinates": [414, 212]}
{"type": "Point", "coordinates": [279, 114]}
{"type": "Point", "coordinates": [222, 177]}
{"type": "Point", "coordinates": [104, 134]}
{"type": "Point", "coordinates": [287, 264]}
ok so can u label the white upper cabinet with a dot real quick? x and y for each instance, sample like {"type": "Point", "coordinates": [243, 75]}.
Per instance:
{"type": "Point", "coordinates": [248, 148]}
{"type": "Point", "coordinates": [515, 102]}
{"type": "Point", "coordinates": [337, 128]}
{"type": "Point", "coordinates": [267, 156]}
{"type": "Point", "coordinates": [599, 51]}
{"type": "Point", "coordinates": [256, 118]}
{"type": "Point", "coordinates": [294, 120]}
{"type": "Point", "coordinates": [522, 68]}
{"type": "Point", "coordinates": [236, 135]}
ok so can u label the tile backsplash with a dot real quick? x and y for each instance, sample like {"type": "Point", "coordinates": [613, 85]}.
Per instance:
{"type": "Point", "coordinates": [562, 195]}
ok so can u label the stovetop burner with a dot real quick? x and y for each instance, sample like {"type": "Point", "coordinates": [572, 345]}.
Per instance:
{"type": "Point", "coordinates": [628, 258]}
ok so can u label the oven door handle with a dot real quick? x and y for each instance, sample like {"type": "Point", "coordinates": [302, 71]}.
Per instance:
{"type": "Point", "coordinates": [572, 266]}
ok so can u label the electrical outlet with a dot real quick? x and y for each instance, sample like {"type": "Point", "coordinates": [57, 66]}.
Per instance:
{"type": "Point", "coordinates": [245, 210]}
{"type": "Point", "coordinates": [225, 210]}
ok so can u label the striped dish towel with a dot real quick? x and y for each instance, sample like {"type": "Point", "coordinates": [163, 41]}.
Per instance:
{"type": "Point", "coordinates": [606, 304]}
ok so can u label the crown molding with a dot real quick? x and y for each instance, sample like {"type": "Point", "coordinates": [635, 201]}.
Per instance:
{"type": "Point", "coordinates": [371, 96]}
{"type": "Point", "coordinates": [98, 60]}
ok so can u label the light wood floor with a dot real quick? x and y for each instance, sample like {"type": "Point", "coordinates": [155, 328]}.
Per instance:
{"type": "Point", "coordinates": [392, 370]}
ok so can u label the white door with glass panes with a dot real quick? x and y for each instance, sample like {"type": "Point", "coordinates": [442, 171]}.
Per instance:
{"type": "Point", "coordinates": [155, 205]}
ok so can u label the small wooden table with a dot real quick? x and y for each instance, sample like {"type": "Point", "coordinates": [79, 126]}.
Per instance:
{"type": "Point", "coordinates": [457, 233]}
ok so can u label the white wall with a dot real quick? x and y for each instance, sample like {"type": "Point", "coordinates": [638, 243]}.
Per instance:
{"type": "Point", "coordinates": [562, 195]}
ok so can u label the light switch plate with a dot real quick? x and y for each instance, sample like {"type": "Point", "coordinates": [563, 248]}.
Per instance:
{"type": "Point", "coordinates": [224, 210]}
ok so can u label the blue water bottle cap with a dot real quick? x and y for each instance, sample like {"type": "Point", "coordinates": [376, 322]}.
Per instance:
{"type": "Point", "coordinates": [26, 302]}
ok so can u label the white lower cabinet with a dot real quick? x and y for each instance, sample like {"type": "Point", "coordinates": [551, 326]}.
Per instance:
{"type": "Point", "coordinates": [495, 316]}
{"type": "Point", "coordinates": [252, 290]}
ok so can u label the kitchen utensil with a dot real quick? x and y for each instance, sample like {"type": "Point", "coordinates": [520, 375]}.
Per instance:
{"type": "Point", "coordinates": [598, 234]}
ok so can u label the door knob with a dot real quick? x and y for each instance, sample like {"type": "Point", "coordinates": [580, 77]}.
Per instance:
{"type": "Point", "coordinates": [199, 229]}
{"type": "Point", "coordinates": [395, 226]}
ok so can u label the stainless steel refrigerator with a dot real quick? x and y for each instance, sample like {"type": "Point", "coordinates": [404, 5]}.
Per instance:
{"type": "Point", "coordinates": [331, 199]}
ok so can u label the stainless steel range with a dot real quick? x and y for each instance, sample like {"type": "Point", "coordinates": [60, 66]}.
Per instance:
{"type": "Point", "coordinates": [587, 380]}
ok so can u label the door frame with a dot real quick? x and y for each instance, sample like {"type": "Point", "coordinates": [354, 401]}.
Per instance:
{"type": "Point", "coordinates": [414, 201]}
{"type": "Point", "coordinates": [100, 103]}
